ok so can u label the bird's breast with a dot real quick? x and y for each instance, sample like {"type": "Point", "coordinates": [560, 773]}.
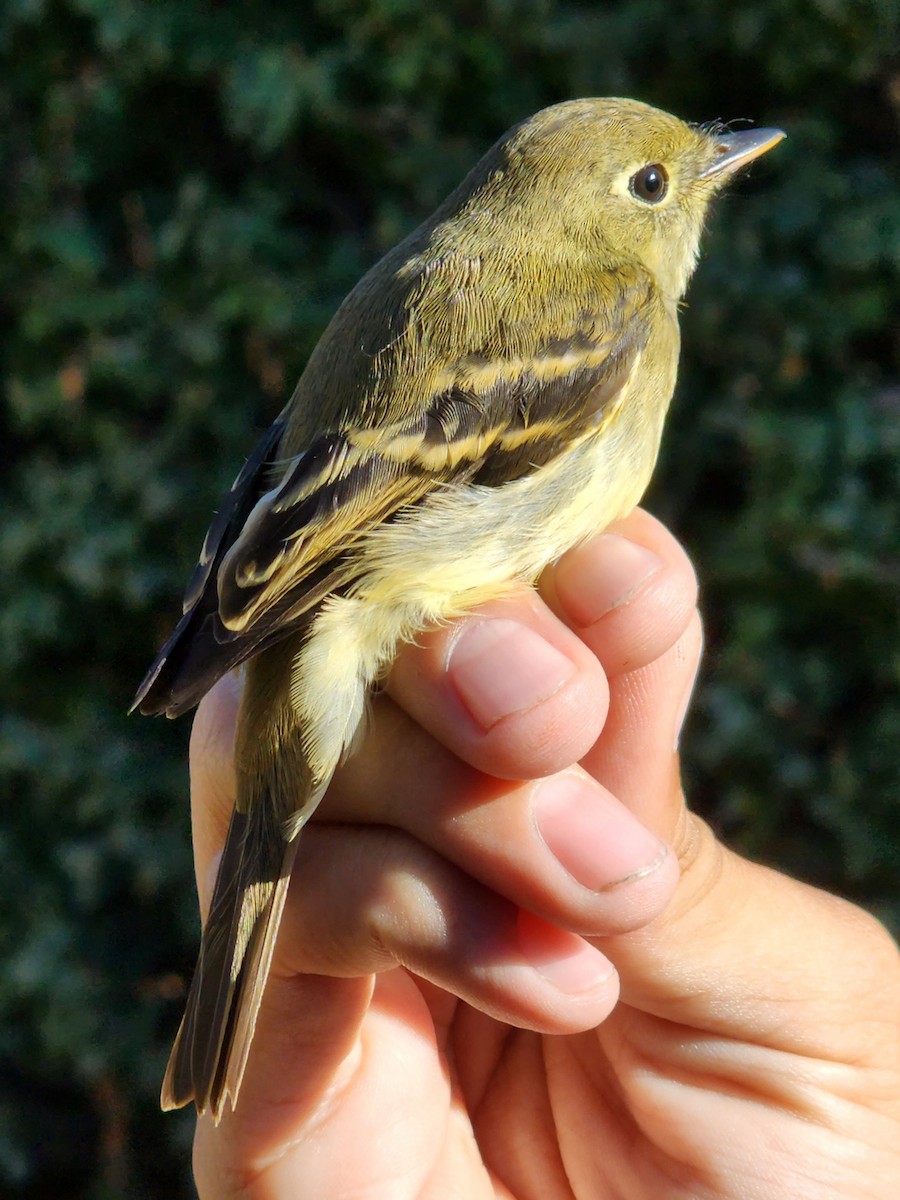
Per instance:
{"type": "Point", "coordinates": [464, 544]}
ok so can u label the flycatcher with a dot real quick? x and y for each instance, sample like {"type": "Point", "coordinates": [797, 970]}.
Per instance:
{"type": "Point", "coordinates": [489, 394]}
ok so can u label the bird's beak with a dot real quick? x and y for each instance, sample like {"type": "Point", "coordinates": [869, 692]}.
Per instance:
{"type": "Point", "coordinates": [734, 150]}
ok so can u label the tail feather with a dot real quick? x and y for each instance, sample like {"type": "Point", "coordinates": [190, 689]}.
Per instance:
{"type": "Point", "coordinates": [210, 1052]}
{"type": "Point", "coordinates": [278, 790]}
{"type": "Point", "coordinates": [254, 975]}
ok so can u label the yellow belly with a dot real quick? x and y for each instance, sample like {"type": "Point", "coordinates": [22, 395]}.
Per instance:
{"type": "Point", "coordinates": [459, 548]}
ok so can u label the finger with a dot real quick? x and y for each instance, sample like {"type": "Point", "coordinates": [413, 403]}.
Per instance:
{"type": "Point", "coordinates": [508, 689]}
{"type": "Point", "coordinates": [629, 593]}
{"type": "Point", "coordinates": [634, 593]}
{"type": "Point", "coordinates": [562, 847]}
{"type": "Point", "coordinates": [365, 900]}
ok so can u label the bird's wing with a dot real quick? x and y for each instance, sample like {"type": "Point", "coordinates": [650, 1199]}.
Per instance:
{"type": "Point", "coordinates": [273, 553]}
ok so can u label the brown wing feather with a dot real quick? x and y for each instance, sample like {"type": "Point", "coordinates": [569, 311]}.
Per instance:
{"type": "Point", "coordinates": [347, 483]}
{"type": "Point", "coordinates": [199, 649]}
{"type": "Point", "coordinates": [275, 552]}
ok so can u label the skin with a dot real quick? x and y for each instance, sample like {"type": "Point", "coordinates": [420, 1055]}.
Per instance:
{"type": "Point", "coordinates": [440, 1020]}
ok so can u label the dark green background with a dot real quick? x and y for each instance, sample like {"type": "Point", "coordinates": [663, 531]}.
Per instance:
{"type": "Point", "coordinates": [187, 191]}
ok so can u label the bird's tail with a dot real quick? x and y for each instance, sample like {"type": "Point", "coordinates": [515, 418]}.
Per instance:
{"type": "Point", "coordinates": [210, 1052]}
{"type": "Point", "coordinates": [283, 766]}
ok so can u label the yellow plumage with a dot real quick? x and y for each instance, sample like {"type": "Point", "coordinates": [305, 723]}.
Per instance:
{"type": "Point", "coordinates": [491, 393]}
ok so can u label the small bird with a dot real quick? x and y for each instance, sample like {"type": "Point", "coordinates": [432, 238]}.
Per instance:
{"type": "Point", "coordinates": [491, 393]}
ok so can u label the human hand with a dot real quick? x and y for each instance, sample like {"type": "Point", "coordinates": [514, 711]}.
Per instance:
{"type": "Point", "coordinates": [488, 987]}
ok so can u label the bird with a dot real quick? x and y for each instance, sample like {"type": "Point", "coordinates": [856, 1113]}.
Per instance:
{"type": "Point", "coordinates": [490, 394]}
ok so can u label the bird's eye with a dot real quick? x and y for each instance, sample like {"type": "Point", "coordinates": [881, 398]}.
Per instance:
{"type": "Point", "coordinates": [650, 183]}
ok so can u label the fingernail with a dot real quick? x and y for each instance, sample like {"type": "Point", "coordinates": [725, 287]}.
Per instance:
{"type": "Point", "coordinates": [499, 667]}
{"type": "Point", "coordinates": [603, 575]}
{"type": "Point", "coordinates": [593, 836]}
{"type": "Point", "coordinates": [563, 959]}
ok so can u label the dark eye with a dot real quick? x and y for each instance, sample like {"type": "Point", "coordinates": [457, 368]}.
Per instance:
{"type": "Point", "coordinates": [650, 183]}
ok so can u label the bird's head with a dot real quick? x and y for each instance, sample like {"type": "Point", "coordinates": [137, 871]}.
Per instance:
{"type": "Point", "coordinates": [610, 181]}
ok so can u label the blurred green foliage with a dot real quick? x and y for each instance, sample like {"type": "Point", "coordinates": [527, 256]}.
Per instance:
{"type": "Point", "coordinates": [188, 190]}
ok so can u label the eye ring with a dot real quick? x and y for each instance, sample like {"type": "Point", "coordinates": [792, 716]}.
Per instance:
{"type": "Point", "coordinates": [650, 183]}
